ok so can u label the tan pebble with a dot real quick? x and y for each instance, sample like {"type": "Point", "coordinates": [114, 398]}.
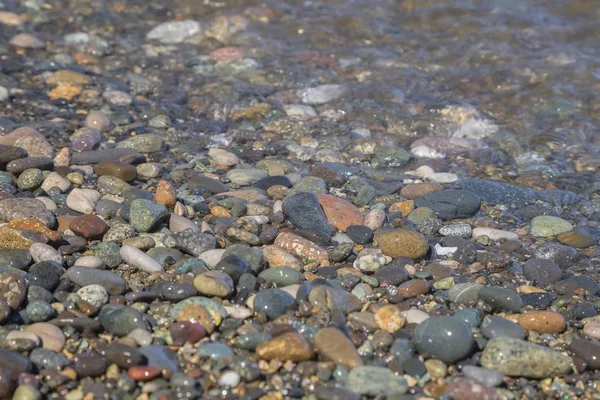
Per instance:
{"type": "Point", "coordinates": [20, 133]}
{"type": "Point", "coordinates": [275, 257]}
{"type": "Point", "coordinates": [165, 194]}
{"type": "Point", "coordinates": [415, 190]}
{"type": "Point", "coordinates": [26, 41]}
{"type": "Point", "coordinates": [68, 77]}
{"type": "Point", "coordinates": [63, 158]}
{"type": "Point", "coordinates": [389, 318]}
{"type": "Point", "coordinates": [219, 211]}
{"type": "Point", "coordinates": [374, 219]}
{"type": "Point", "coordinates": [65, 92]}
{"type": "Point", "coordinates": [198, 314]}
{"type": "Point", "coordinates": [290, 346]}
{"type": "Point", "coordinates": [436, 368]}
{"type": "Point", "coordinates": [543, 321]}
{"type": "Point", "coordinates": [97, 120]}
{"type": "Point", "coordinates": [526, 289]}
{"type": "Point", "coordinates": [333, 345]}
{"type": "Point", "coordinates": [592, 329]}
{"type": "Point", "coordinates": [277, 192]}
{"type": "Point", "coordinates": [52, 336]}
{"type": "Point", "coordinates": [9, 18]}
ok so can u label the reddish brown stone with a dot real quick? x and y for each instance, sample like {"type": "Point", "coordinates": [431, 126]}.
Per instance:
{"type": "Point", "coordinates": [413, 288]}
{"type": "Point", "coordinates": [142, 373]}
{"type": "Point", "coordinates": [470, 389]}
{"type": "Point", "coordinates": [64, 221]}
{"type": "Point", "coordinates": [416, 190]}
{"type": "Point", "coordinates": [187, 331]}
{"type": "Point", "coordinates": [89, 226]}
{"type": "Point", "coordinates": [340, 213]}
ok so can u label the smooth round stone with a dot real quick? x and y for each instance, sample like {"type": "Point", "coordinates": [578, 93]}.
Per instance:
{"type": "Point", "coordinates": [115, 186]}
{"type": "Point", "coordinates": [233, 265]}
{"type": "Point", "coordinates": [588, 350]}
{"type": "Point", "coordinates": [372, 380]}
{"type": "Point", "coordinates": [414, 316]}
{"type": "Point", "coordinates": [493, 326]}
{"type": "Point", "coordinates": [187, 331]}
{"type": "Point", "coordinates": [214, 283]}
{"type": "Point", "coordinates": [141, 336]}
{"type": "Point", "coordinates": [14, 363]}
{"type": "Point", "coordinates": [43, 252]}
{"type": "Point", "coordinates": [289, 346]}
{"type": "Point", "coordinates": [282, 276]}
{"type": "Point", "coordinates": [451, 204]}
{"type": "Point", "coordinates": [97, 120]}
{"type": "Point", "coordinates": [215, 351]}
{"type": "Point", "coordinates": [391, 275]}
{"type": "Point", "coordinates": [93, 294]}
{"type": "Point", "coordinates": [501, 298]}
{"type": "Point", "coordinates": [30, 179]}
{"type": "Point", "coordinates": [229, 379]}
{"type": "Point", "coordinates": [174, 291]}
{"type": "Point", "coordinates": [83, 200]}
{"type": "Point", "coordinates": [120, 320]}
{"type": "Point", "coordinates": [46, 358]}
{"type": "Point", "coordinates": [546, 225]}
{"type": "Point", "coordinates": [333, 345]}
{"type": "Point", "coordinates": [446, 338]}
{"type": "Point", "coordinates": [579, 238]}
{"type": "Point", "coordinates": [470, 316]}
{"type": "Point", "coordinates": [151, 170]}
{"type": "Point", "coordinates": [88, 226]}
{"type": "Point", "coordinates": [140, 260]}
{"type": "Point", "coordinates": [541, 271]}
{"type": "Point", "coordinates": [400, 243]}
{"type": "Point", "coordinates": [122, 171]}
{"type": "Point", "coordinates": [246, 176]}
{"type": "Point", "coordinates": [177, 223]}
{"type": "Point", "coordinates": [253, 256]}
{"type": "Point", "coordinates": [570, 285]}
{"type": "Point", "coordinates": [51, 336]}
{"type": "Point", "coordinates": [87, 365]}
{"type": "Point", "coordinates": [123, 355]}
{"type": "Point", "coordinates": [543, 321]}
{"type": "Point", "coordinates": [46, 274]}
{"type": "Point", "coordinates": [39, 311]}
{"type": "Point", "coordinates": [488, 377]}
{"type": "Point", "coordinates": [84, 276]}
{"type": "Point", "coordinates": [89, 262]}
{"type": "Point", "coordinates": [160, 357]}
{"type": "Point", "coordinates": [592, 329]}
{"type": "Point", "coordinates": [274, 302]}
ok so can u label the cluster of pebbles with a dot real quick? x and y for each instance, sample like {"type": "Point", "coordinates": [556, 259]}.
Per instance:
{"type": "Point", "coordinates": [157, 245]}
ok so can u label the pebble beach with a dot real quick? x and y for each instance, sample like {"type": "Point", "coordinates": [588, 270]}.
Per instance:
{"type": "Point", "coordinates": [390, 200]}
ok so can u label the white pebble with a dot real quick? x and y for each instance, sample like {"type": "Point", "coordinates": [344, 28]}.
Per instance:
{"type": "Point", "coordinates": [414, 316]}
{"type": "Point", "coordinates": [141, 336]}
{"type": "Point", "coordinates": [443, 177]}
{"type": "Point", "coordinates": [83, 200]}
{"type": "Point", "coordinates": [89, 262]}
{"type": "Point", "coordinates": [494, 234]}
{"type": "Point", "coordinates": [43, 252]}
{"type": "Point", "coordinates": [55, 180]}
{"type": "Point", "coordinates": [229, 378]}
{"type": "Point", "coordinates": [50, 205]}
{"type": "Point", "coordinates": [212, 257]}
{"type": "Point", "coordinates": [139, 259]}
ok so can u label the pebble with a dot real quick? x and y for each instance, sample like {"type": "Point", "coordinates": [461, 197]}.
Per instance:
{"type": "Point", "coordinates": [515, 357]}
{"type": "Point", "coordinates": [488, 377]}
{"type": "Point", "coordinates": [501, 298]}
{"type": "Point", "coordinates": [399, 243]}
{"type": "Point", "coordinates": [304, 210]}
{"type": "Point", "coordinates": [340, 213]}
{"type": "Point", "coordinates": [493, 326]}
{"type": "Point", "coordinates": [372, 380]}
{"type": "Point", "coordinates": [83, 200]}
{"type": "Point", "coordinates": [214, 283]}
{"type": "Point", "coordinates": [467, 389]}
{"type": "Point", "coordinates": [543, 321]}
{"type": "Point", "coordinates": [140, 260]}
{"type": "Point", "coordinates": [89, 262]}
{"type": "Point", "coordinates": [301, 247]}
{"type": "Point", "coordinates": [494, 234]}
{"type": "Point", "coordinates": [541, 271]}
{"type": "Point", "coordinates": [43, 252]}
{"type": "Point", "coordinates": [547, 225]}
{"type": "Point", "coordinates": [120, 320]}
{"type": "Point", "coordinates": [451, 204]}
{"type": "Point", "coordinates": [446, 338]}
{"type": "Point", "coordinates": [51, 336]}
{"type": "Point", "coordinates": [290, 346]}
{"type": "Point", "coordinates": [145, 214]}
{"type": "Point", "coordinates": [274, 302]}
{"type": "Point", "coordinates": [174, 32]}
{"type": "Point", "coordinates": [333, 345]}
{"type": "Point", "coordinates": [84, 276]}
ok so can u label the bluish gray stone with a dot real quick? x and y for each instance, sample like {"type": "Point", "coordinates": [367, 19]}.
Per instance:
{"type": "Point", "coordinates": [446, 338]}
